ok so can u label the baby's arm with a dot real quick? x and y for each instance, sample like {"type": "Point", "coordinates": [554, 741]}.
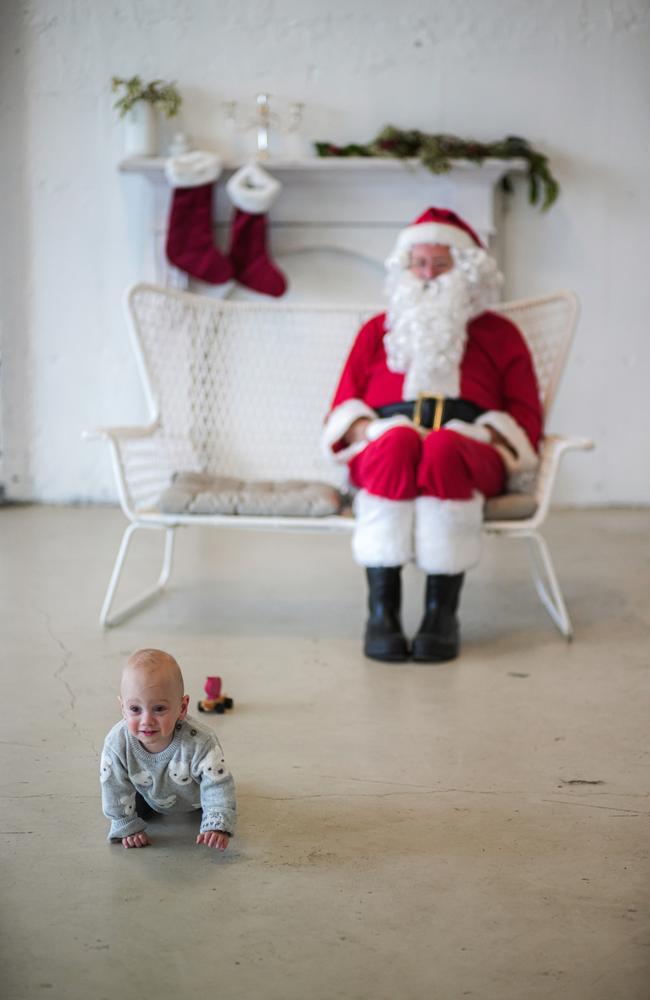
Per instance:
{"type": "Point", "coordinates": [217, 797]}
{"type": "Point", "coordinates": [118, 802]}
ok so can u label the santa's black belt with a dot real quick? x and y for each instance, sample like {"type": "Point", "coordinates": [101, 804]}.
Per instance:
{"type": "Point", "coordinates": [431, 412]}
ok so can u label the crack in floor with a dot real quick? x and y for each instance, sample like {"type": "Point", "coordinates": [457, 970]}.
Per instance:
{"type": "Point", "coordinates": [67, 714]}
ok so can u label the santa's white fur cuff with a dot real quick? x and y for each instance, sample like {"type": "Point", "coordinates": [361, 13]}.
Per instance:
{"type": "Point", "coordinates": [448, 534]}
{"type": "Point", "coordinates": [526, 457]}
{"type": "Point", "coordinates": [383, 530]}
{"type": "Point", "coordinates": [339, 423]}
{"type": "Point", "coordinates": [473, 431]}
{"type": "Point", "coordinates": [378, 428]}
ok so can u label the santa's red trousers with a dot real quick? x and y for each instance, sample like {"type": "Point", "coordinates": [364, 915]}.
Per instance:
{"type": "Point", "coordinates": [401, 465]}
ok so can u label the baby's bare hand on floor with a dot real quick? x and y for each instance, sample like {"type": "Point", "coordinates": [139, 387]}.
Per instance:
{"type": "Point", "coordinates": [136, 840]}
{"type": "Point", "coordinates": [214, 838]}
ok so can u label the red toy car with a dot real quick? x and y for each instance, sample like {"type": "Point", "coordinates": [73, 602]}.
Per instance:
{"type": "Point", "coordinates": [215, 701]}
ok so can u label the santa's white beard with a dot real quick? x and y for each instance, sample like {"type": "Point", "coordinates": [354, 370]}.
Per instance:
{"type": "Point", "coordinates": [427, 330]}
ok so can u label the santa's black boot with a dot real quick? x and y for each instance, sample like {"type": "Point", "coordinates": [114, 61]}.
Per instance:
{"type": "Point", "coordinates": [438, 638]}
{"type": "Point", "coordinates": [384, 639]}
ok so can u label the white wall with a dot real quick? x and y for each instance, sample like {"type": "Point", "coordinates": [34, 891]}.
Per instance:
{"type": "Point", "coordinates": [571, 76]}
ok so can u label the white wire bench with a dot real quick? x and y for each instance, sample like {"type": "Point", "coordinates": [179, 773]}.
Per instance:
{"type": "Point", "coordinates": [241, 389]}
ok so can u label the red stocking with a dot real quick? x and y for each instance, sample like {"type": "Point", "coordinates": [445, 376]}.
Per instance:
{"type": "Point", "coordinates": [249, 257]}
{"type": "Point", "coordinates": [252, 192]}
{"type": "Point", "coordinates": [190, 236]}
{"type": "Point", "coordinates": [190, 239]}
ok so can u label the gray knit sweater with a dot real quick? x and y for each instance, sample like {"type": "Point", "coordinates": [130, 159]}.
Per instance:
{"type": "Point", "coordinates": [189, 774]}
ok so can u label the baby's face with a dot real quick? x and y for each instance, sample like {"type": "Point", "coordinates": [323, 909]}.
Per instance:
{"type": "Point", "coordinates": [151, 706]}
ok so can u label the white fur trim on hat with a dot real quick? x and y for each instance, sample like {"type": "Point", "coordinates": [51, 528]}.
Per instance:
{"type": "Point", "coordinates": [339, 423]}
{"type": "Point", "coordinates": [448, 534]}
{"type": "Point", "coordinates": [192, 169]}
{"type": "Point", "coordinates": [526, 457]}
{"type": "Point", "coordinates": [383, 530]}
{"type": "Point", "coordinates": [252, 189]}
{"type": "Point", "coordinates": [434, 232]}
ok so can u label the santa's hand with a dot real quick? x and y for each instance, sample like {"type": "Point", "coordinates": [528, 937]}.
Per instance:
{"type": "Point", "coordinates": [214, 838]}
{"type": "Point", "coordinates": [477, 432]}
{"type": "Point", "coordinates": [357, 431]}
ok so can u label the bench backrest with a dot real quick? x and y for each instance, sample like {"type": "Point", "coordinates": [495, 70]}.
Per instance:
{"type": "Point", "coordinates": [242, 389]}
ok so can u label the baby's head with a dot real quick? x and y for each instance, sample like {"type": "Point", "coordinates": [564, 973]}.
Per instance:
{"type": "Point", "coordinates": [152, 697]}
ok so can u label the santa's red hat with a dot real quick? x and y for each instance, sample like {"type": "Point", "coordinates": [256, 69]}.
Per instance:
{"type": "Point", "coordinates": [438, 225]}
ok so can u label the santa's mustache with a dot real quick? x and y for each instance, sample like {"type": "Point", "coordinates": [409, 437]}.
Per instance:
{"type": "Point", "coordinates": [429, 289]}
{"type": "Point", "coordinates": [407, 293]}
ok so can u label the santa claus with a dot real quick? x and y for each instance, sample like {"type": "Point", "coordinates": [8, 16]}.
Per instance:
{"type": "Point", "coordinates": [436, 406]}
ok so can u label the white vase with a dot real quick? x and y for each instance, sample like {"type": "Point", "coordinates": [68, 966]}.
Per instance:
{"type": "Point", "coordinates": [141, 130]}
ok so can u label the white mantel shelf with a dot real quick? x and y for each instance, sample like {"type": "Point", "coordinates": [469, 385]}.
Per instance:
{"type": "Point", "coordinates": [156, 164]}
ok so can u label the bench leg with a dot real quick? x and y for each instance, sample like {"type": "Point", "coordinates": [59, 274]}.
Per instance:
{"type": "Point", "coordinates": [547, 585]}
{"type": "Point", "coordinates": [108, 620]}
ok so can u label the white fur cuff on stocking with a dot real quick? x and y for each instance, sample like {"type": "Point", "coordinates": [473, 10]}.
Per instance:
{"type": "Point", "coordinates": [448, 534]}
{"type": "Point", "coordinates": [252, 189]}
{"type": "Point", "coordinates": [383, 530]}
{"type": "Point", "coordinates": [192, 169]}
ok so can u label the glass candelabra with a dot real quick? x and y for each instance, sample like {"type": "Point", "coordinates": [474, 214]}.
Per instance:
{"type": "Point", "coordinates": [264, 121]}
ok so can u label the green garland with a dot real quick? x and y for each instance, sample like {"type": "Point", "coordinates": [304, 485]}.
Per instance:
{"type": "Point", "coordinates": [437, 152]}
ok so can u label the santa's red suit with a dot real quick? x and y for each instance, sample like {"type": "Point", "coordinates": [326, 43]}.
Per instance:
{"type": "Point", "coordinates": [421, 493]}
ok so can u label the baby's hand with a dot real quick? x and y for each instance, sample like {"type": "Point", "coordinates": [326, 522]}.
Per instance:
{"type": "Point", "coordinates": [136, 840]}
{"type": "Point", "coordinates": [214, 838]}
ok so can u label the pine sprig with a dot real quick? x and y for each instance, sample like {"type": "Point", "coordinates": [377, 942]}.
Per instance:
{"type": "Point", "coordinates": [438, 151]}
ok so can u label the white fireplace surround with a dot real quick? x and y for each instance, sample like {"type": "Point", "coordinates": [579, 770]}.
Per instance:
{"type": "Point", "coordinates": [333, 224]}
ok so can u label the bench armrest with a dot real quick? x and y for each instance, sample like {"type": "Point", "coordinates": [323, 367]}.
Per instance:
{"type": "Point", "coordinates": [552, 450]}
{"type": "Point", "coordinates": [560, 443]}
{"type": "Point", "coordinates": [120, 441]}
{"type": "Point", "coordinates": [119, 433]}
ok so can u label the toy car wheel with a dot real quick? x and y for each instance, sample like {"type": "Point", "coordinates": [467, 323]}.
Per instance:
{"type": "Point", "coordinates": [200, 707]}
{"type": "Point", "coordinates": [219, 709]}
{"type": "Point", "coordinates": [228, 702]}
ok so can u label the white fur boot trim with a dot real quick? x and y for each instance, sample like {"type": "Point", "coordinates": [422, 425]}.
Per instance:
{"type": "Point", "coordinates": [448, 534]}
{"type": "Point", "coordinates": [383, 530]}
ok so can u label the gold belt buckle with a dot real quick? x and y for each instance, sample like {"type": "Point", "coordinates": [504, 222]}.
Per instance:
{"type": "Point", "coordinates": [437, 413]}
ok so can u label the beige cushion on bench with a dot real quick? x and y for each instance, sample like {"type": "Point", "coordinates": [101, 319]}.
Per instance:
{"type": "Point", "coordinates": [200, 493]}
{"type": "Point", "coordinates": [510, 507]}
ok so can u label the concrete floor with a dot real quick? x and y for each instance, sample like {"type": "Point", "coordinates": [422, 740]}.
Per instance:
{"type": "Point", "coordinates": [477, 829]}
